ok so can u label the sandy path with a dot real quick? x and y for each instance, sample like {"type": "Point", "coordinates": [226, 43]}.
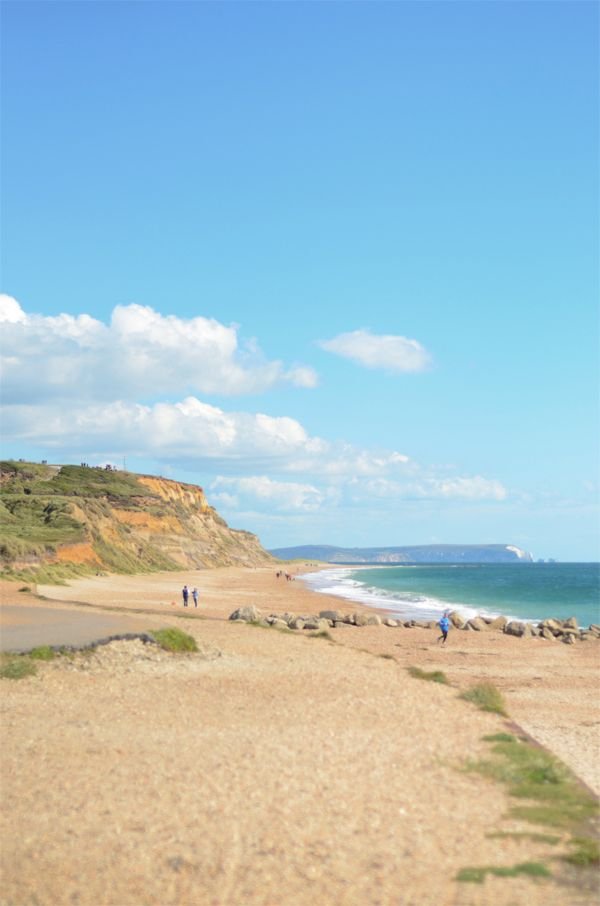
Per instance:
{"type": "Point", "coordinates": [274, 769]}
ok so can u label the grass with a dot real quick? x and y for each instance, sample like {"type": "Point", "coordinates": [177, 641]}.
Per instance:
{"type": "Point", "coordinates": [552, 796]}
{"type": "Point", "coordinates": [478, 875]}
{"type": "Point", "coordinates": [16, 667]}
{"type": "Point", "coordinates": [42, 653]}
{"type": "Point", "coordinates": [486, 697]}
{"type": "Point", "coordinates": [434, 676]}
{"type": "Point", "coordinates": [174, 640]}
{"type": "Point", "coordinates": [549, 839]}
{"type": "Point", "coordinates": [321, 634]}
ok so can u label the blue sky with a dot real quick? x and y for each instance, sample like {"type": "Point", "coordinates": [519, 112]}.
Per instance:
{"type": "Point", "coordinates": [335, 262]}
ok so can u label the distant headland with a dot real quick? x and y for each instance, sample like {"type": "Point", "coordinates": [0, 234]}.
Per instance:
{"type": "Point", "coordinates": [425, 553]}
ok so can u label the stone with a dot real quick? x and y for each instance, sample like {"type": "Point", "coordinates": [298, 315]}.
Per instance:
{"type": "Point", "coordinates": [571, 623]}
{"type": "Point", "coordinates": [248, 614]}
{"type": "Point", "coordinates": [568, 638]}
{"type": "Point", "coordinates": [374, 620]}
{"type": "Point", "coordinates": [478, 624]}
{"type": "Point", "coordinates": [553, 625]}
{"type": "Point", "coordinates": [456, 620]}
{"type": "Point", "coordinates": [547, 634]}
{"type": "Point", "coordinates": [296, 623]}
{"type": "Point", "coordinates": [333, 615]}
{"type": "Point", "coordinates": [360, 619]}
{"type": "Point", "coordinates": [390, 622]}
{"type": "Point", "coordinates": [515, 627]}
{"type": "Point", "coordinates": [498, 623]}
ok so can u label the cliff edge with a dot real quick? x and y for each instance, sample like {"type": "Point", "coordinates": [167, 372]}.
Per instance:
{"type": "Point", "coordinates": [62, 521]}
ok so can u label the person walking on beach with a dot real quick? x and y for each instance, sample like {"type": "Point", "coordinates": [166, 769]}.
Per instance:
{"type": "Point", "coordinates": [444, 625]}
{"type": "Point", "coordinates": [195, 596]}
{"type": "Point", "coordinates": [184, 595]}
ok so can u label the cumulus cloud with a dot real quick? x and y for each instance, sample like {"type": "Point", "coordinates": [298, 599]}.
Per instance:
{"type": "Point", "coordinates": [140, 353]}
{"type": "Point", "coordinates": [281, 496]}
{"type": "Point", "coordinates": [388, 352]}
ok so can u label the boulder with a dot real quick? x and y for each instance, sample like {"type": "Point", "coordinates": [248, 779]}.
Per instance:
{"type": "Point", "coordinates": [568, 638]}
{"type": "Point", "coordinates": [571, 623]}
{"type": "Point", "coordinates": [515, 627]}
{"type": "Point", "coordinates": [248, 614]}
{"type": "Point", "coordinates": [553, 625]}
{"type": "Point", "coordinates": [296, 623]}
{"type": "Point", "coordinates": [333, 615]}
{"type": "Point", "coordinates": [456, 620]}
{"type": "Point", "coordinates": [547, 634]}
{"type": "Point", "coordinates": [374, 620]}
{"type": "Point", "coordinates": [360, 619]}
{"type": "Point", "coordinates": [478, 624]}
{"type": "Point", "coordinates": [498, 623]}
{"type": "Point", "coordinates": [390, 622]}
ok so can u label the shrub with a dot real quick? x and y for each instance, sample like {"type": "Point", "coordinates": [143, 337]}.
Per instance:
{"type": "Point", "coordinates": [486, 697]}
{"type": "Point", "coordinates": [174, 640]}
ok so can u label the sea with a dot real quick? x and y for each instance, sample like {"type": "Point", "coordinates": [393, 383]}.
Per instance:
{"type": "Point", "coordinates": [523, 591]}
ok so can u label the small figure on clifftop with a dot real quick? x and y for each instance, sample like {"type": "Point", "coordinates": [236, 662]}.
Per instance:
{"type": "Point", "coordinates": [195, 596]}
{"type": "Point", "coordinates": [184, 594]}
{"type": "Point", "coordinates": [444, 625]}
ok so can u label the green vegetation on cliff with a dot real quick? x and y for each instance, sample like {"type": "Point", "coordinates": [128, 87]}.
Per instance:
{"type": "Point", "coordinates": [57, 522]}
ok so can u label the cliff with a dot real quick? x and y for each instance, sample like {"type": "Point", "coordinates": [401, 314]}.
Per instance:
{"type": "Point", "coordinates": [61, 521]}
{"type": "Point", "coordinates": [426, 553]}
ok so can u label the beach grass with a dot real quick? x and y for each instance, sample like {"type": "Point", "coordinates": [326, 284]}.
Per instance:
{"type": "Point", "coordinates": [16, 667]}
{"type": "Point", "coordinates": [174, 640]}
{"type": "Point", "coordinates": [486, 697]}
{"type": "Point", "coordinates": [433, 676]}
{"type": "Point", "coordinates": [42, 653]}
{"type": "Point", "coordinates": [477, 875]}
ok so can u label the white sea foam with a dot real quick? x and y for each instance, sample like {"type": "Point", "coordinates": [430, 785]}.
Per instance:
{"type": "Point", "coordinates": [406, 605]}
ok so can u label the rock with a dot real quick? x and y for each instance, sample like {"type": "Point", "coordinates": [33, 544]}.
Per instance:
{"type": "Point", "coordinates": [553, 625]}
{"type": "Point", "coordinates": [517, 628]}
{"type": "Point", "coordinates": [568, 638]}
{"type": "Point", "coordinates": [279, 624]}
{"type": "Point", "coordinates": [478, 624]}
{"type": "Point", "coordinates": [456, 620]}
{"type": "Point", "coordinates": [594, 627]}
{"type": "Point", "coordinates": [571, 623]}
{"type": "Point", "coordinates": [360, 619]}
{"type": "Point", "coordinates": [313, 624]}
{"type": "Point", "coordinates": [547, 634]}
{"type": "Point", "coordinates": [247, 614]}
{"type": "Point", "coordinates": [374, 620]}
{"type": "Point", "coordinates": [498, 623]}
{"type": "Point", "coordinates": [333, 615]}
{"type": "Point", "coordinates": [390, 622]}
{"type": "Point", "coordinates": [296, 623]}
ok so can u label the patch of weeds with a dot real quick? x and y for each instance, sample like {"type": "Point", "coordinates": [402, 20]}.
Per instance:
{"type": "Point", "coordinates": [500, 737]}
{"type": "Point", "coordinates": [321, 634]}
{"type": "Point", "coordinates": [25, 588]}
{"type": "Point", "coordinates": [42, 653]}
{"type": "Point", "coordinates": [16, 668]}
{"type": "Point", "coordinates": [549, 839]}
{"type": "Point", "coordinates": [434, 676]}
{"type": "Point", "coordinates": [486, 697]}
{"type": "Point", "coordinates": [476, 875]}
{"type": "Point", "coordinates": [174, 640]}
{"type": "Point", "coordinates": [586, 851]}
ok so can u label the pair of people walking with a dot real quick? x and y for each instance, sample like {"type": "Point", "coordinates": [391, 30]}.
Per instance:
{"type": "Point", "coordinates": [185, 594]}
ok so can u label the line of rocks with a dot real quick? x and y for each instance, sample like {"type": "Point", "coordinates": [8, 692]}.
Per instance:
{"type": "Point", "coordinates": [567, 631]}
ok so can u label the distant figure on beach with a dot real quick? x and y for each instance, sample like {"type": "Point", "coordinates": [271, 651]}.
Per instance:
{"type": "Point", "coordinates": [184, 594]}
{"type": "Point", "coordinates": [195, 596]}
{"type": "Point", "coordinates": [444, 625]}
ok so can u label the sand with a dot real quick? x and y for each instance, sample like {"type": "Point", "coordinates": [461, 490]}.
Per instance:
{"type": "Point", "coordinates": [274, 768]}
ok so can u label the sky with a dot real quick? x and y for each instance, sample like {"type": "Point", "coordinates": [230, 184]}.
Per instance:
{"type": "Point", "coordinates": [335, 262]}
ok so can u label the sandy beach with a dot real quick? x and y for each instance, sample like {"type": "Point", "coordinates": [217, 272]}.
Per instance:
{"type": "Point", "coordinates": [275, 768]}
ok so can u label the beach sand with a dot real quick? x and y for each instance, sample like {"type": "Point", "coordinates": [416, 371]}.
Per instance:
{"type": "Point", "coordinates": [275, 768]}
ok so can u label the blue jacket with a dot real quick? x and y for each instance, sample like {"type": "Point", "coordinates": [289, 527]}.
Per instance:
{"type": "Point", "coordinates": [444, 624]}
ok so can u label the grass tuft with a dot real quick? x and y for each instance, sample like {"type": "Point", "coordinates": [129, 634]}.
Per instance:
{"type": "Point", "coordinates": [434, 676]}
{"type": "Point", "coordinates": [486, 697]}
{"type": "Point", "coordinates": [42, 653]}
{"type": "Point", "coordinates": [586, 851]}
{"type": "Point", "coordinates": [17, 667]}
{"type": "Point", "coordinates": [477, 875]}
{"type": "Point", "coordinates": [174, 640]}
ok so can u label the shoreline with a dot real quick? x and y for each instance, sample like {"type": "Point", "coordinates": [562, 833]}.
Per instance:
{"type": "Point", "coordinates": [424, 606]}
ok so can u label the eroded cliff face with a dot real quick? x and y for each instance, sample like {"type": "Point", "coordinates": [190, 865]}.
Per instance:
{"type": "Point", "coordinates": [97, 521]}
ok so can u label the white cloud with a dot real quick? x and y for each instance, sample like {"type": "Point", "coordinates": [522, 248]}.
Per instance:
{"type": "Point", "coordinates": [140, 353]}
{"type": "Point", "coordinates": [282, 496]}
{"type": "Point", "coordinates": [388, 352]}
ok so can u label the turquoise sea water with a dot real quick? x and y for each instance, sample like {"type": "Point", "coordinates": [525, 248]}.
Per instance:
{"type": "Point", "coordinates": [530, 591]}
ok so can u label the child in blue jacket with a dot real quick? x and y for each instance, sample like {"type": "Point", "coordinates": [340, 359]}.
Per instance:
{"type": "Point", "coordinates": [444, 625]}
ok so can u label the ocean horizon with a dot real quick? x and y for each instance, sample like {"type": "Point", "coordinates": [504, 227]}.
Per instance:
{"type": "Point", "coordinates": [523, 591]}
